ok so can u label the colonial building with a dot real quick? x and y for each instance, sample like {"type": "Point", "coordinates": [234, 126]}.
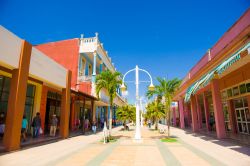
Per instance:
{"type": "Point", "coordinates": [215, 94]}
{"type": "Point", "coordinates": [86, 58]}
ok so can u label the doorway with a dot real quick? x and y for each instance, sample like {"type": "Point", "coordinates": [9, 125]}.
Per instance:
{"type": "Point", "coordinates": [242, 115]}
{"type": "Point", "coordinates": [53, 106]}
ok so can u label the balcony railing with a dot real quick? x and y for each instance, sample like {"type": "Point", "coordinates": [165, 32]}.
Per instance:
{"type": "Point", "coordinates": [85, 78]}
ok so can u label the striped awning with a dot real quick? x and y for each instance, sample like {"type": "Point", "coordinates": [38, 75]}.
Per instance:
{"type": "Point", "coordinates": [204, 81]}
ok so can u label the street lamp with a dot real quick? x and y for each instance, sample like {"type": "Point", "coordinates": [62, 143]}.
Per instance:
{"type": "Point", "coordinates": [123, 88]}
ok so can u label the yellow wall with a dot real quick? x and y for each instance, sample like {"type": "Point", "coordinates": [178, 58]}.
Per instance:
{"type": "Point", "coordinates": [38, 92]}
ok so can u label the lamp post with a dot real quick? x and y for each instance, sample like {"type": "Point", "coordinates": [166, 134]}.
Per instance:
{"type": "Point", "coordinates": [123, 88]}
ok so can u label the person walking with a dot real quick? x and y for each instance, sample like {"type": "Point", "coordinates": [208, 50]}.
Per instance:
{"type": "Point", "coordinates": [53, 126]}
{"type": "Point", "coordinates": [24, 128]}
{"type": "Point", "coordinates": [94, 127]}
{"type": "Point", "coordinates": [36, 124]}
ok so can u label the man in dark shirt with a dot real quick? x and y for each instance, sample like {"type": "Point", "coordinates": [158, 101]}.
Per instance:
{"type": "Point", "coordinates": [36, 124]}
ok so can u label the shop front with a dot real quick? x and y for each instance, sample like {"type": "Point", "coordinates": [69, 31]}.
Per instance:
{"type": "Point", "coordinates": [53, 107]}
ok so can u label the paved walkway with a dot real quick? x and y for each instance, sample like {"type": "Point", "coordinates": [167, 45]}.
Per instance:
{"type": "Point", "coordinates": [88, 150]}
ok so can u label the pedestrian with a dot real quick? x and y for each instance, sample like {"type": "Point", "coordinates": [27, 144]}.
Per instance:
{"type": "Point", "coordinates": [36, 124]}
{"type": "Point", "coordinates": [53, 125]}
{"type": "Point", "coordinates": [102, 122]}
{"type": "Point", "coordinates": [149, 123]}
{"type": "Point", "coordinates": [86, 125]}
{"type": "Point", "coordinates": [24, 128]}
{"type": "Point", "coordinates": [2, 125]}
{"type": "Point", "coordinates": [94, 127]}
{"type": "Point", "coordinates": [211, 121]}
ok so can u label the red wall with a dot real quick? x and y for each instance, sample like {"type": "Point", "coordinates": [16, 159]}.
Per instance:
{"type": "Point", "coordinates": [64, 52]}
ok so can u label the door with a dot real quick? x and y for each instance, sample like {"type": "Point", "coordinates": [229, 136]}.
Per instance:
{"type": "Point", "coordinates": [242, 115]}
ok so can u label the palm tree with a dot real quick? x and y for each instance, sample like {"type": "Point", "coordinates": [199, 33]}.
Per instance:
{"type": "Point", "coordinates": [155, 111]}
{"type": "Point", "coordinates": [165, 90]}
{"type": "Point", "coordinates": [125, 113]}
{"type": "Point", "coordinates": [109, 81]}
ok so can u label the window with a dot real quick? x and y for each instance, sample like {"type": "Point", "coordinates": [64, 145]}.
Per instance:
{"type": "Point", "coordinates": [236, 91]}
{"type": "Point", "coordinates": [229, 93]}
{"type": "Point", "coordinates": [238, 103]}
{"type": "Point", "coordinates": [29, 103]}
{"type": "Point", "coordinates": [4, 94]}
{"type": "Point", "coordinates": [248, 87]}
{"type": "Point", "coordinates": [83, 66]}
{"type": "Point", "coordinates": [90, 70]}
{"type": "Point", "coordinates": [224, 95]}
{"type": "Point", "coordinates": [243, 89]}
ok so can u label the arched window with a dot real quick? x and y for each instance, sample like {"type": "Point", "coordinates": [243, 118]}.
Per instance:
{"type": "Point", "coordinates": [83, 67]}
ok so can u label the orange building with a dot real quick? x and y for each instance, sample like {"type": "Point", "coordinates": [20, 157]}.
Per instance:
{"type": "Point", "coordinates": [215, 94]}
{"type": "Point", "coordinates": [28, 80]}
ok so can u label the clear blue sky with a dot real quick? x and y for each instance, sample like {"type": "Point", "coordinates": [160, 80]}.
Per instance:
{"type": "Point", "coordinates": [164, 37]}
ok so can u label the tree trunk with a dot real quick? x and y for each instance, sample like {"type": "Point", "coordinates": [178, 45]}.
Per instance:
{"type": "Point", "coordinates": [156, 124]}
{"type": "Point", "coordinates": [110, 118]}
{"type": "Point", "coordinates": [168, 123]}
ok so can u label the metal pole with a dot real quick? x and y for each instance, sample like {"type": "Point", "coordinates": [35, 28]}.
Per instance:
{"type": "Point", "coordinates": [137, 129]}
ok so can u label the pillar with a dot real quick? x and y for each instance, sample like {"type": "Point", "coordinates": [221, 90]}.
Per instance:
{"type": "Point", "coordinates": [232, 117]}
{"type": "Point", "coordinates": [194, 114]}
{"type": "Point", "coordinates": [174, 116]}
{"type": "Point", "coordinates": [206, 109]}
{"type": "Point", "coordinates": [182, 122]}
{"type": "Point", "coordinates": [218, 112]}
{"type": "Point", "coordinates": [65, 111]}
{"type": "Point", "coordinates": [72, 114]}
{"type": "Point", "coordinates": [199, 115]}
{"type": "Point", "coordinates": [16, 101]}
{"type": "Point", "coordinates": [94, 64]}
{"type": "Point", "coordinates": [93, 110]}
{"type": "Point", "coordinates": [248, 101]}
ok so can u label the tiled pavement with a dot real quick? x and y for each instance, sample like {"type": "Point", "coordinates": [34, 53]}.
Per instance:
{"type": "Point", "coordinates": [188, 150]}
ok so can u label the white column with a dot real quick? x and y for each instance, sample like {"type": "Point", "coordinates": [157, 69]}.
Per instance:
{"type": "Point", "coordinates": [94, 64]}
{"type": "Point", "coordinates": [137, 130]}
{"type": "Point", "coordinates": [93, 90]}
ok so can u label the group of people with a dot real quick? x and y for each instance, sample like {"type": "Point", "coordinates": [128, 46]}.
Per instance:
{"type": "Point", "coordinates": [36, 125]}
{"type": "Point", "coordinates": [87, 125]}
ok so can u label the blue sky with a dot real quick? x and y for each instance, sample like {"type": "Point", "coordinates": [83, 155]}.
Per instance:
{"type": "Point", "coordinates": [164, 37]}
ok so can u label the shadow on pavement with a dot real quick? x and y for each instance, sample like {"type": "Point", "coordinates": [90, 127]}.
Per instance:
{"type": "Point", "coordinates": [227, 142]}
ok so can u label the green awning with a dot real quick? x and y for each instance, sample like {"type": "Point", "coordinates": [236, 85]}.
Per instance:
{"type": "Point", "coordinates": [204, 81]}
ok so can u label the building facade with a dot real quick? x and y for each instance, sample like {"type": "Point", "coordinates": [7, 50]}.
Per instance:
{"type": "Point", "coordinates": [86, 58]}
{"type": "Point", "coordinates": [25, 75]}
{"type": "Point", "coordinates": [215, 94]}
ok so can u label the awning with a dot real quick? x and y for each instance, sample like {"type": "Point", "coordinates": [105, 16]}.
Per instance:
{"type": "Point", "coordinates": [204, 81]}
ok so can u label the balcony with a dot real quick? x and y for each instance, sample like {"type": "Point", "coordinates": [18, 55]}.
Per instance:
{"type": "Point", "coordinates": [84, 78]}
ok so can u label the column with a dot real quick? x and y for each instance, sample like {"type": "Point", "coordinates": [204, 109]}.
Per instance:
{"type": "Point", "coordinates": [198, 108]}
{"type": "Point", "coordinates": [174, 116]}
{"type": "Point", "coordinates": [206, 109]}
{"type": "Point", "coordinates": [232, 116]}
{"type": "Point", "coordinates": [16, 101]}
{"type": "Point", "coordinates": [93, 110]}
{"type": "Point", "coordinates": [93, 88]}
{"type": "Point", "coordinates": [218, 112]}
{"type": "Point", "coordinates": [248, 101]}
{"type": "Point", "coordinates": [72, 114]}
{"type": "Point", "coordinates": [194, 115]}
{"type": "Point", "coordinates": [182, 122]}
{"type": "Point", "coordinates": [94, 64]}
{"type": "Point", "coordinates": [64, 118]}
